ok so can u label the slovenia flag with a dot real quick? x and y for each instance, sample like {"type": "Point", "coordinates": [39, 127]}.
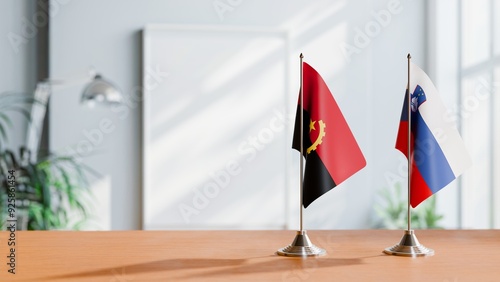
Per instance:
{"type": "Point", "coordinates": [438, 152]}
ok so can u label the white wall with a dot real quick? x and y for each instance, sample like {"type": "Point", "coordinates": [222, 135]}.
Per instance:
{"type": "Point", "coordinates": [17, 57]}
{"type": "Point", "coordinates": [369, 86]}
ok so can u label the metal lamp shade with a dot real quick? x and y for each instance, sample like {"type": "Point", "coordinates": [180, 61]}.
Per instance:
{"type": "Point", "coordinates": [101, 91]}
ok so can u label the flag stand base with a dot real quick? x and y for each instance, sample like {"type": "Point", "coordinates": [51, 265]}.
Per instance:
{"type": "Point", "coordinates": [409, 247]}
{"type": "Point", "coordinates": [301, 247]}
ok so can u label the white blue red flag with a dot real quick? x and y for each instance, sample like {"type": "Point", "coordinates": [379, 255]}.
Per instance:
{"type": "Point", "coordinates": [438, 152]}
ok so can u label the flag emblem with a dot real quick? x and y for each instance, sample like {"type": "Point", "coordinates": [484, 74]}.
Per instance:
{"type": "Point", "coordinates": [417, 98]}
{"type": "Point", "coordinates": [321, 134]}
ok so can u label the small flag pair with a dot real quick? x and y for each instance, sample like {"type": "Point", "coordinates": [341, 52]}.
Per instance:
{"type": "Point", "coordinates": [332, 154]}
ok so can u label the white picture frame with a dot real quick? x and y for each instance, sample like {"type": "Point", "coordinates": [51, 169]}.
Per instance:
{"type": "Point", "coordinates": [216, 138]}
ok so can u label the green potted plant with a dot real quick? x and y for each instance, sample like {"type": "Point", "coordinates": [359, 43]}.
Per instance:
{"type": "Point", "coordinates": [392, 211]}
{"type": "Point", "coordinates": [51, 192]}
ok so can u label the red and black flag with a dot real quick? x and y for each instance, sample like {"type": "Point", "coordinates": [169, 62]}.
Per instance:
{"type": "Point", "coordinates": [332, 154]}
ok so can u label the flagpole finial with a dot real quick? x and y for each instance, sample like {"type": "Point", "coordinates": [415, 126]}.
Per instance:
{"type": "Point", "coordinates": [409, 56]}
{"type": "Point", "coordinates": [301, 56]}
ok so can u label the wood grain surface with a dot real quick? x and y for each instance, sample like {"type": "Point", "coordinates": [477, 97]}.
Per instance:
{"type": "Point", "coordinates": [352, 255]}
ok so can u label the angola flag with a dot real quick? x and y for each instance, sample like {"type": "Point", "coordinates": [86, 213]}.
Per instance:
{"type": "Point", "coordinates": [331, 152]}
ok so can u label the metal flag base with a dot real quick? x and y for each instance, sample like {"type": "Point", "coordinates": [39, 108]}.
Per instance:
{"type": "Point", "coordinates": [409, 247]}
{"type": "Point", "coordinates": [301, 247]}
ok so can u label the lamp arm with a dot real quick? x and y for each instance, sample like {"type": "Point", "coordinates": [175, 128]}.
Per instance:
{"type": "Point", "coordinates": [42, 94]}
{"type": "Point", "coordinates": [38, 111]}
{"type": "Point", "coordinates": [56, 82]}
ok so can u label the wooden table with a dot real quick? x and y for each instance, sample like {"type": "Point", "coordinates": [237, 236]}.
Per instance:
{"type": "Point", "coordinates": [116, 256]}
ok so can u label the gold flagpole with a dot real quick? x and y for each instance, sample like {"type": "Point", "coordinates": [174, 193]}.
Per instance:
{"type": "Point", "coordinates": [301, 245]}
{"type": "Point", "coordinates": [409, 245]}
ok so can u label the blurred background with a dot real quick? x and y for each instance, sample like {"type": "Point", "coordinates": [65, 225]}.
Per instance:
{"type": "Point", "coordinates": [200, 137]}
